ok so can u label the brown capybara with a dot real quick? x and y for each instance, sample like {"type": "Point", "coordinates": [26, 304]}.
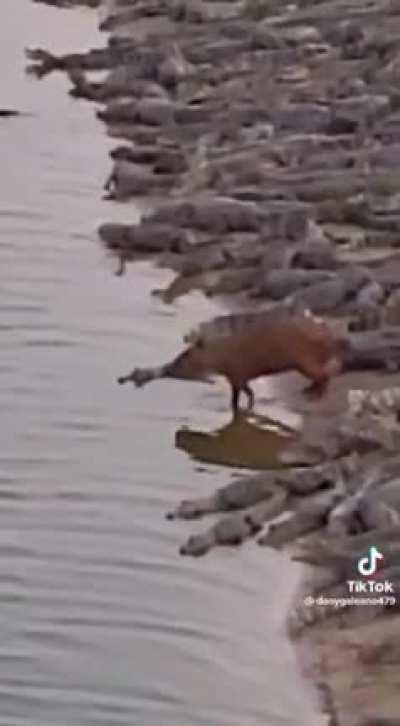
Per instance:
{"type": "Point", "coordinates": [304, 344]}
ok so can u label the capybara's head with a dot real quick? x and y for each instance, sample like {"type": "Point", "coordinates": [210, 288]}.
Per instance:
{"type": "Point", "coordinates": [188, 365]}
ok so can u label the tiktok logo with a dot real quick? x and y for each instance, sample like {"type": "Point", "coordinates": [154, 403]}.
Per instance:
{"type": "Point", "coordinates": [368, 565]}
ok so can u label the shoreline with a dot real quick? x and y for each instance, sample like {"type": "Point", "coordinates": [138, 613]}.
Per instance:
{"type": "Point", "coordinates": [275, 140]}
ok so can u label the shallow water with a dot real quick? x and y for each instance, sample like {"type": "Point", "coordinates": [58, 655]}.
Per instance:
{"type": "Point", "coordinates": [102, 622]}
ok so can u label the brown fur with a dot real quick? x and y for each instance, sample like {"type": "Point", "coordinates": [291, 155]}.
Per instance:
{"type": "Point", "coordinates": [301, 344]}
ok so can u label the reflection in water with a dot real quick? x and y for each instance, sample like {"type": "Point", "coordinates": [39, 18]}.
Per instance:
{"type": "Point", "coordinates": [252, 442]}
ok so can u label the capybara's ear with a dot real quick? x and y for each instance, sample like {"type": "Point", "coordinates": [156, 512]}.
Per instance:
{"type": "Point", "coordinates": [199, 344]}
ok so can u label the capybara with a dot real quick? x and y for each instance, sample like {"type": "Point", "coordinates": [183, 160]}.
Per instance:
{"type": "Point", "coordinates": [304, 344]}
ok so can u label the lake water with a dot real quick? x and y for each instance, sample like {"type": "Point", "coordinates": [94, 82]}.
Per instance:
{"type": "Point", "coordinates": [101, 621]}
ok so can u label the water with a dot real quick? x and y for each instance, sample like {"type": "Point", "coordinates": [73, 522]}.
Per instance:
{"type": "Point", "coordinates": [101, 621]}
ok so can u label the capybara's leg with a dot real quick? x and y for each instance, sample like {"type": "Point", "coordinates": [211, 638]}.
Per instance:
{"type": "Point", "coordinates": [250, 396]}
{"type": "Point", "coordinates": [235, 399]}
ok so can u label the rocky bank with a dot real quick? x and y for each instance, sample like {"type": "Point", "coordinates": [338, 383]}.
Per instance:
{"type": "Point", "coordinates": [263, 140]}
